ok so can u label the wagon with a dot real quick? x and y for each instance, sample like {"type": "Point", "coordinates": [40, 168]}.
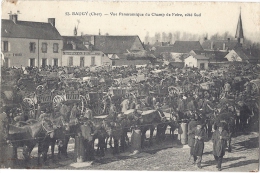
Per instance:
{"type": "Point", "coordinates": [70, 97]}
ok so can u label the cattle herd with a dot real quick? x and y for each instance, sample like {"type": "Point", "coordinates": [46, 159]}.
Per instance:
{"type": "Point", "coordinates": [42, 107]}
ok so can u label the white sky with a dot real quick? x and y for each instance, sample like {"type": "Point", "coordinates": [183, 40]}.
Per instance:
{"type": "Point", "coordinates": [216, 17]}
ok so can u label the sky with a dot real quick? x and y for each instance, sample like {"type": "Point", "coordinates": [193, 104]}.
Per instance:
{"type": "Point", "coordinates": [214, 17]}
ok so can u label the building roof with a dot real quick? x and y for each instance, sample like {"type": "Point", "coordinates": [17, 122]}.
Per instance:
{"type": "Point", "coordinates": [162, 49]}
{"type": "Point", "coordinates": [78, 40]}
{"type": "Point", "coordinates": [218, 44]}
{"type": "Point", "coordinates": [27, 29]}
{"type": "Point", "coordinates": [123, 60]}
{"type": "Point", "coordinates": [116, 44]}
{"type": "Point", "coordinates": [201, 57]}
{"type": "Point", "coordinates": [186, 46]}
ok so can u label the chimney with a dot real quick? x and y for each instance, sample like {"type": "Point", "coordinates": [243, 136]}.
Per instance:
{"type": "Point", "coordinates": [211, 46]}
{"type": "Point", "coordinates": [224, 46]}
{"type": "Point", "coordinates": [99, 32]}
{"type": "Point", "coordinates": [148, 43]}
{"type": "Point", "coordinates": [13, 17]}
{"type": "Point", "coordinates": [51, 21]}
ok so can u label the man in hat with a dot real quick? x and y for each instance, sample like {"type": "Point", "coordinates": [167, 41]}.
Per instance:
{"type": "Point", "coordinates": [198, 147]}
{"type": "Point", "coordinates": [86, 130]}
{"type": "Point", "coordinates": [219, 139]}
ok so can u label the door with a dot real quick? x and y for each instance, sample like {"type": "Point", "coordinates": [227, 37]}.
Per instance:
{"type": "Point", "coordinates": [82, 61]}
{"type": "Point", "coordinates": [44, 62]}
{"type": "Point", "coordinates": [202, 66]}
{"type": "Point", "coordinates": [93, 61]}
{"type": "Point", "coordinates": [55, 62]}
{"type": "Point", "coordinates": [70, 61]}
{"type": "Point", "coordinates": [6, 62]}
{"type": "Point", "coordinates": [32, 62]}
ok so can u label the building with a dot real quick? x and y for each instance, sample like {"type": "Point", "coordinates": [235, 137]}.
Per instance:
{"type": "Point", "coordinates": [199, 61]}
{"type": "Point", "coordinates": [26, 43]}
{"type": "Point", "coordinates": [78, 51]}
{"type": "Point", "coordinates": [116, 48]}
{"type": "Point", "coordinates": [240, 55]}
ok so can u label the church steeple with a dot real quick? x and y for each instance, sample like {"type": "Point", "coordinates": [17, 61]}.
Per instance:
{"type": "Point", "coordinates": [75, 31]}
{"type": "Point", "coordinates": [239, 32]}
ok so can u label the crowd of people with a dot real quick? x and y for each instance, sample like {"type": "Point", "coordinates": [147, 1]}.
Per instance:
{"type": "Point", "coordinates": [196, 96]}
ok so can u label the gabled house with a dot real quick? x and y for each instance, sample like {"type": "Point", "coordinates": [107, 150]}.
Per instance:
{"type": "Point", "coordinates": [199, 61]}
{"type": "Point", "coordinates": [181, 49]}
{"type": "Point", "coordinates": [27, 43]}
{"type": "Point", "coordinates": [240, 55]}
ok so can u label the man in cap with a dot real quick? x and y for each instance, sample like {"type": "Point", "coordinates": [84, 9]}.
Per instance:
{"type": "Point", "coordinates": [219, 139]}
{"type": "Point", "coordinates": [197, 149]}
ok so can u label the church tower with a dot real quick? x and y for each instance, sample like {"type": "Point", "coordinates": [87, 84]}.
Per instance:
{"type": "Point", "coordinates": [239, 32]}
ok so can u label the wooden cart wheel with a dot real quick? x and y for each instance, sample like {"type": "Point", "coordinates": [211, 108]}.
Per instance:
{"type": "Point", "coordinates": [83, 104]}
{"type": "Point", "coordinates": [98, 107]}
{"type": "Point", "coordinates": [57, 100]}
{"type": "Point", "coordinates": [29, 106]}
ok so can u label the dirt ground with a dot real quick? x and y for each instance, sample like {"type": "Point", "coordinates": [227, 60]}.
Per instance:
{"type": "Point", "coordinates": [168, 155]}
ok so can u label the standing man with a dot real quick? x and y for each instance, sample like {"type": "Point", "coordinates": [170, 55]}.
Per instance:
{"type": "Point", "coordinates": [227, 88]}
{"type": "Point", "coordinates": [197, 149]}
{"type": "Point", "coordinates": [191, 136]}
{"type": "Point", "coordinates": [219, 139]}
{"type": "Point", "coordinates": [64, 111]}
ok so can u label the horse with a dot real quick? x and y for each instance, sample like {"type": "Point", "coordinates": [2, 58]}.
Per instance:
{"type": "Point", "coordinates": [29, 135]}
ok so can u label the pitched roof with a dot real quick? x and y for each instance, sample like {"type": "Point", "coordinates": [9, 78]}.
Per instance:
{"type": "Point", "coordinates": [186, 46]}
{"type": "Point", "coordinates": [78, 40]}
{"type": "Point", "coordinates": [116, 44]}
{"type": "Point", "coordinates": [211, 53]}
{"type": "Point", "coordinates": [218, 44]}
{"type": "Point", "coordinates": [162, 49]}
{"type": "Point", "coordinates": [27, 29]}
{"type": "Point", "coordinates": [200, 57]}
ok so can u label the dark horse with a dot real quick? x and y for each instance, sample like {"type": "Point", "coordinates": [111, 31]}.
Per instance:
{"type": "Point", "coordinates": [29, 135]}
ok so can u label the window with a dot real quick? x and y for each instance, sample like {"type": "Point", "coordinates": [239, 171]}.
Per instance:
{"type": "Point", "coordinates": [44, 62]}
{"type": "Point", "coordinates": [44, 47]}
{"type": "Point", "coordinates": [71, 61]}
{"type": "Point", "coordinates": [32, 62]}
{"type": "Point", "coordinates": [82, 60]}
{"type": "Point", "coordinates": [55, 47]}
{"type": "Point", "coordinates": [55, 62]}
{"type": "Point", "coordinates": [32, 47]}
{"type": "Point", "coordinates": [93, 61]}
{"type": "Point", "coordinates": [5, 46]}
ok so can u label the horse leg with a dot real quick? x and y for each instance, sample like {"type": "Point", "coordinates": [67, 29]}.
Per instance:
{"type": "Point", "coordinates": [116, 146]}
{"type": "Point", "coordinates": [143, 138]}
{"type": "Point", "coordinates": [229, 144]}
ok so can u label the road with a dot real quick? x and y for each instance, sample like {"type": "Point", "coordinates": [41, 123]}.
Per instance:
{"type": "Point", "coordinates": [169, 156]}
